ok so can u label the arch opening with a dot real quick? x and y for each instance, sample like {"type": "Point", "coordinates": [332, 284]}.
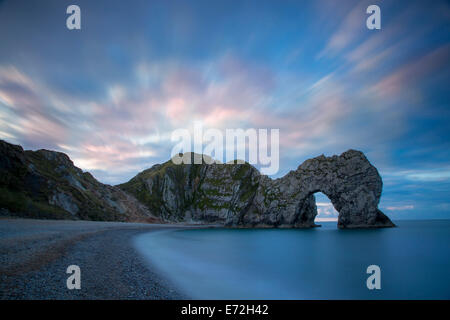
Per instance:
{"type": "Point", "coordinates": [326, 212]}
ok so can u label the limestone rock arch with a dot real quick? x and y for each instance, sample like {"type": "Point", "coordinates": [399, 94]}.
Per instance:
{"type": "Point", "coordinates": [237, 195]}
{"type": "Point", "coordinates": [351, 183]}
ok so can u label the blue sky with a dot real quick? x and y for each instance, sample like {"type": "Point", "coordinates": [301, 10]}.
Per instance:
{"type": "Point", "coordinates": [109, 95]}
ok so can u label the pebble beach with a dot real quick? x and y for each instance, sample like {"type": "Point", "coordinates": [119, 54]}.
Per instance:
{"type": "Point", "coordinates": [35, 254]}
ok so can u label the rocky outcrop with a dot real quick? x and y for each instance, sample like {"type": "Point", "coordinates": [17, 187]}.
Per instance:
{"type": "Point", "coordinates": [351, 183]}
{"type": "Point", "coordinates": [237, 195]}
{"type": "Point", "coordinates": [46, 184]}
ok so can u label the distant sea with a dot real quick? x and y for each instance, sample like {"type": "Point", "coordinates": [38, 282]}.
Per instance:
{"type": "Point", "coordinates": [320, 263]}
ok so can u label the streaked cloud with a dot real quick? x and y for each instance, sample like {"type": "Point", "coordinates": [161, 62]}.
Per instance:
{"type": "Point", "coordinates": [400, 208]}
{"type": "Point", "coordinates": [349, 29]}
{"type": "Point", "coordinates": [424, 175]}
{"type": "Point", "coordinates": [110, 95]}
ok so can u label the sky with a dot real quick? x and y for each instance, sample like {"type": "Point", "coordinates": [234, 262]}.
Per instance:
{"type": "Point", "coordinates": [110, 95]}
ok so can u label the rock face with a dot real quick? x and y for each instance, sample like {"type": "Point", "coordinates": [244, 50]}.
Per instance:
{"type": "Point", "coordinates": [46, 184]}
{"type": "Point", "coordinates": [237, 195]}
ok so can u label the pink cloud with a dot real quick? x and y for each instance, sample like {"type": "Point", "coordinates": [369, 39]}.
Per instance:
{"type": "Point", "coordinates": [413, 72]}
{"type": "Point", "coordinates": [176, 110]}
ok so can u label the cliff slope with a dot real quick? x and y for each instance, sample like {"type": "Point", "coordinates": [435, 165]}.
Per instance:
{"type": "Point", "coordinates": [46, 184]}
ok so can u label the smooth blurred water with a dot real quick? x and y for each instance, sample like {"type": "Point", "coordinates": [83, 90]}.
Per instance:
{"type": "Point", "coordinates": [321, 263]}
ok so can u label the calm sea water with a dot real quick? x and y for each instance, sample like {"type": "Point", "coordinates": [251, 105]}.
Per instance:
{"type": "Point", "coordinates": [321, 263]}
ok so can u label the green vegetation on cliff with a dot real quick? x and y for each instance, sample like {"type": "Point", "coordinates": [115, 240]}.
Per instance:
{"type": "Point", "coordinates": [46, 184]}
{"type": "Point", "coordinates": [170, 191]}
